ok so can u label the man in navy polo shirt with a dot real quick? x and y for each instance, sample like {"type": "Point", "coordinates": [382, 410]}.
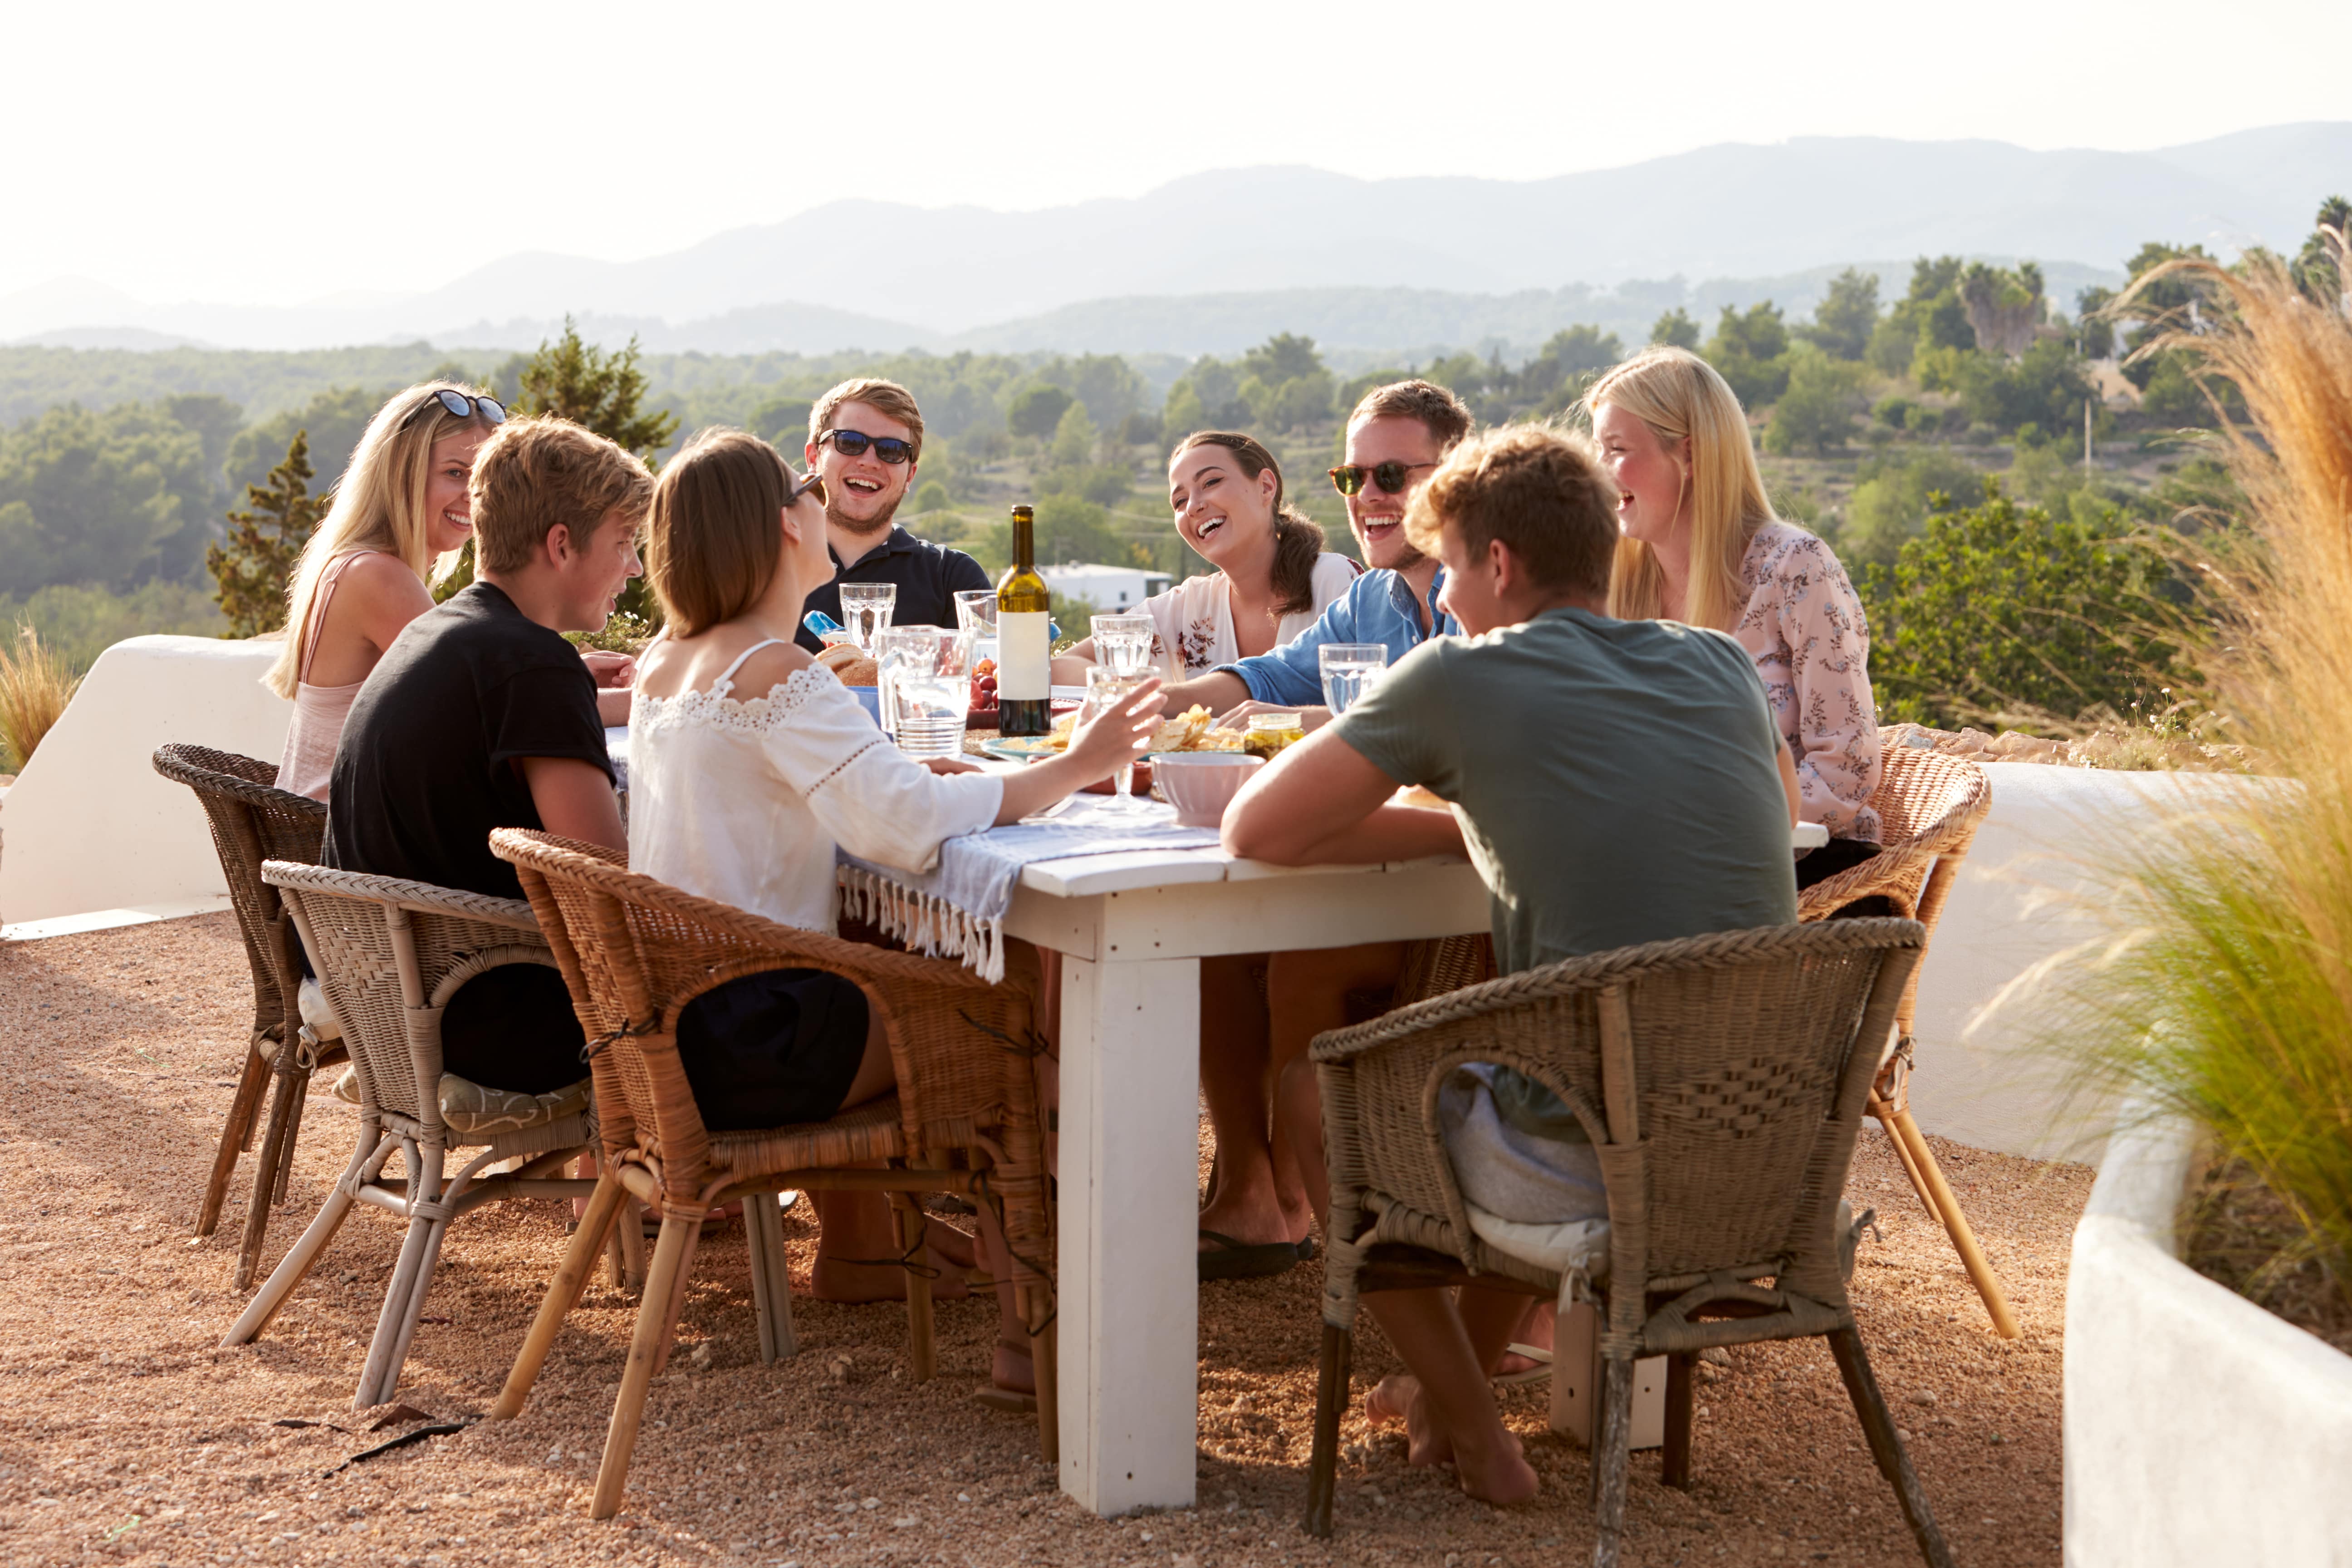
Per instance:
{"type": "Point", "coordinates": [1396, 437]}
{"type": "Point", "coordinates": [865, 437]}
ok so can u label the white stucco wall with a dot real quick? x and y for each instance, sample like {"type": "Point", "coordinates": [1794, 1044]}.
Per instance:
{"type": "Point", "coordinates": [90, 824]}
{"type": "Point", "coordinates": [2200, 1430]}
{"type": "Point", "coordinates": [2026, 894]}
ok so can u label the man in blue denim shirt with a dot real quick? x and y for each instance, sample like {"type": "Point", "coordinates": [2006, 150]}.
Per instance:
{"type": "Point", "coordinates": [1395, 438]}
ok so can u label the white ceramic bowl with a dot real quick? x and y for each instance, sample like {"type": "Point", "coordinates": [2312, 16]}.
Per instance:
{"type": "Point", "coordinates": [1201, 784]}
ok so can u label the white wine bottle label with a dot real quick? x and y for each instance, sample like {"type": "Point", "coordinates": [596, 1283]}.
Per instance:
{"type": "Point", "coordinates": [1025, 644]}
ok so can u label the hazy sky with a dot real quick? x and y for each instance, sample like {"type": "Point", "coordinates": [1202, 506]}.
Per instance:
{"type": "Point", "coordinates": [249, 152]}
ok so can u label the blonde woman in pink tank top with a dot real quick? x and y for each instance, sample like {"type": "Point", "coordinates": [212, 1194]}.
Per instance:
{"type": "Point", "coordinates": [401, 515]}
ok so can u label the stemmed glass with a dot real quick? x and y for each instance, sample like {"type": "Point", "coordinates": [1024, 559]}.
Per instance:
{"type": "Point", "coordinates": [865, 609]}
{"type": "Point", "coordinates": [1106, 689]}
{"type": "Point", "coordinates": [1349, 668]}
{"type": "Point", "coordinates": [1123, 643]}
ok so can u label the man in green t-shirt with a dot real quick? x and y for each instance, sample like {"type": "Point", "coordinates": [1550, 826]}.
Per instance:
{"type": "Point", "coordinates": [1614, 782]}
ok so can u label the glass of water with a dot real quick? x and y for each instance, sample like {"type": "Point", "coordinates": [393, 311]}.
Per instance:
{"type": "Point", "coordinates": [930, 676]}
{"type": "Point", "coordinates": [865, 609]}
{"type": "Point", "coordinates": [1106, 689]}
{"type": "Point", "coordinates": [1123, 643]}
{"type": "Point", "coordinates": [976, 612]}
{"type": "Point", "coordinates": [1349, 671]}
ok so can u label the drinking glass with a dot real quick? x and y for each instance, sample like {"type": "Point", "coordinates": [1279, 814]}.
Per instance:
{"type": "Point", "coordinates": [1349, 668]}
{"type": "Point", "coordinates": [930, 676]}
{"type": "Point", "coordinates": [1123, 643]}
{"type": "Point", "coordinates": [976, 612]}
{"type": "Point", "coordinates": [895, 648]}
{"type": "Point", "coordinates": [865, 609]}
{"type": "Point", "coordinates": [1106, 689]}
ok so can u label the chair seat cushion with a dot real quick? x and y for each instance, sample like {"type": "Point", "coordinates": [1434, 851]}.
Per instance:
{"type": "Point", "coordinates": [318, 1012]}
{"type": "Point", "coordinates": [474, 1108]}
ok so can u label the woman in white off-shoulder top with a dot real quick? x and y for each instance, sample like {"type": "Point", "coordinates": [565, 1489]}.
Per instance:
{"type": "Point", "coordinates": [749, 763]}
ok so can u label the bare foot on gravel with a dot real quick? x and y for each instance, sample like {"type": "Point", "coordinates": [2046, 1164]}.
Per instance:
{"type": "Point", "coordinates": [1010, 1368]}
{"type": "Point", "coordinates": [856, 1284]}
{"type": "Point", "coordinates": [1398, 1397]}
{"type": "Point", "coordinates": [1502, 1478]}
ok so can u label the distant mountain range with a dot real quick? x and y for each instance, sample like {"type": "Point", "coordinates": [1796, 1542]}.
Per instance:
{"type": "Point", "coordinates": [1214, 261]}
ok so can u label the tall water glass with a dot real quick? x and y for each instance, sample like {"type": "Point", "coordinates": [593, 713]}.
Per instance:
{"type": "Point", "coordinates": [1106, 689]}
{"type": "Point", "coordinates": [1123, 643]}
{"type": "Point", "coordinates": [1349, 671]}
{"type": "Point", "coordinates": [930, 688]}
{"type": "Point", "coordinates": [895, 648]}
{"type": "Point", "coordinates": [865, 609]}
{"type": "Point", "coordinates": [976, 612]}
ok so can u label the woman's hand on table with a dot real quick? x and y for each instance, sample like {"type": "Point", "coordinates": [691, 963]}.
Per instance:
{"type": "Point", "coordinates": [1099, 746]}
{"type": "Point", "coordinates": [1309, 719]}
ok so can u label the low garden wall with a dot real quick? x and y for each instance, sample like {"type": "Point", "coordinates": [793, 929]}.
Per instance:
{"type": "Point", "coordinates": [2201, 1430]}
{"type": "Point", "coordinates": [89, 825]}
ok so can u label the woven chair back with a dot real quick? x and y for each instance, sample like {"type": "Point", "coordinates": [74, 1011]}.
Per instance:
{"type": "Point", "coordinates": [1745, 1093]}
{"type": "Point", "coordinates": [645, 949]}
{"type": "Point", "coordinates": [252, 821]}
{"type": "Point", "coordinates": [391, 953]}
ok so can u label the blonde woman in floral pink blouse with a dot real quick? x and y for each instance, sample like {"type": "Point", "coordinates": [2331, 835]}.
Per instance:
{"type": "Point", "coordinates": [1700, 544]}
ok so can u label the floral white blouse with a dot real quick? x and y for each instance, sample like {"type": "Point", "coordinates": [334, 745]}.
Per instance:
{"type": "Point", "coordinates": [744, 802]}
{"type": "Point", "coordinates": [1803, 625]}
{"type": "Point", "coordinates": [1195, 618]}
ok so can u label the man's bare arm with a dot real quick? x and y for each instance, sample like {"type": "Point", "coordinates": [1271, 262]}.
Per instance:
{"type": "Point", "coordinates": [1218, 691]}
{"type": "Point", "coordinates": [1322, 802]}
{"type": "Point", "coordinates": [574, 800]}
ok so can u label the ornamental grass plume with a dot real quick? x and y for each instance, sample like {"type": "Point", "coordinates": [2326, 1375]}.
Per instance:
{"type": "Point", "coordinates": [2227, 996]}
{"type": "Point", "coordinates": [34, 688]}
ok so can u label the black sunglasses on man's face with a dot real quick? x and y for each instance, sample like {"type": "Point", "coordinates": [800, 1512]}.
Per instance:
{"type": "Point", "coordinates": [852, 444]}
{"type": "Point", "coordinates": [1348, 479]}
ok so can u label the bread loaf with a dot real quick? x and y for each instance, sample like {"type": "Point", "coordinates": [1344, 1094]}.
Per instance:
{"type": "Point", "coordinates": [851, 665]}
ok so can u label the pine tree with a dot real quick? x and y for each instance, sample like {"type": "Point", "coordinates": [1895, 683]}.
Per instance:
{"type": "Point", "coordinates": [602, 391]}
{"type": "Point", "coordinates": [265, 544]}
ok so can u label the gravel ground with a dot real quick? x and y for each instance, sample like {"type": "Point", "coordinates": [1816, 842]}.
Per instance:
{"type": "Point", "coordinates": [125, 1433]}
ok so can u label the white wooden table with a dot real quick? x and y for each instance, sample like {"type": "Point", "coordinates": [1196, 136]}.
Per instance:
{"type": "Point", "coordinates": [1132, 928]}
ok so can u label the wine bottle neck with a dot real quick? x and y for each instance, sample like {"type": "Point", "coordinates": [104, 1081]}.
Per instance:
{"type": "Point", "coordinates": [1025, 543]}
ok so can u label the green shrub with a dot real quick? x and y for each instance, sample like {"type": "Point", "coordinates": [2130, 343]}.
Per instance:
{"type": "Point", "coordinates": [2003, 607]}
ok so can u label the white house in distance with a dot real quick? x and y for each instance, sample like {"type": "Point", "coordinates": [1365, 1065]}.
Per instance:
{"type": "Point", "coordinates": [1109, 589]}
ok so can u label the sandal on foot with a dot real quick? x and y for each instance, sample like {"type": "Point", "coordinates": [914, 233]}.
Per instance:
{"type": "Point", "coordinates": [1225, 1258]}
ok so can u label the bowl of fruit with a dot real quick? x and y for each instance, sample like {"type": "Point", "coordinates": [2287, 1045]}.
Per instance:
{"type": "Point", "coordinates": [983, 696]}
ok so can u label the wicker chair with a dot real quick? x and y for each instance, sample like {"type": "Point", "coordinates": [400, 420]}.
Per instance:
{"type": "Point", "coordinates": [253, 821]}
{"type": "Point", "coordinates": [391, 953]}
{"type": "Point", "coordinates": [1930, 806]}
{"type": "Point", "coordinates": [1721, 1079]}
{"type": "Point", "coordinates": [964, 1120]}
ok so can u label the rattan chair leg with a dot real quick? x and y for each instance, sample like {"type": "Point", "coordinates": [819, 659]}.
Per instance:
{"type": "Point", "coordinates": [1885, 1446]}
{"type": "Point", "coordinates": [677, 1297]}
{"type": "Point", "coordinates": [631, 1228]}
{"type": "Point", "coordinates": [298, 1099]}
{"type": "Point", "coordinates": [404, 1297]}
{"type": "Point", "coordinates": [1035, 1305]}
{"type": "Point", "coordinates": [313, 1241]}
{"type": "Point", "coordinates": [1330, 1403]}
{"type": "Point", "coordinates": [771, 1291]}
{"type": "Point", "coordinates": [236, 1134]}
{"type": "Point", "coordinates": [563, 1295]}
{"type": "Point", "coordinates": [1956, 1225]}
{"type": "Point", "coordinates": [665, 1284]}
{"type": "Point", "coordinates": [1887, 1114]}
{"type": "Point", "coordinates": [1611, 1456]}
{"type": "Point", "coordinates": [1675, 1469]}
{"type": "Point", "coordinates": [275, 1144]}
{"type": "Point", "coordinates": [914, 1228]}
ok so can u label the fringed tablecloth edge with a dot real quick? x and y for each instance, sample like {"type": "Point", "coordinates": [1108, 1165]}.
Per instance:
{"type": "Point", "coordinates": [929, 924]}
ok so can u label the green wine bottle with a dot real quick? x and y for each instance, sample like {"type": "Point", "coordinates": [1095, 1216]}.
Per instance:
{"type": "Point", "coordinates": [1024, 670]}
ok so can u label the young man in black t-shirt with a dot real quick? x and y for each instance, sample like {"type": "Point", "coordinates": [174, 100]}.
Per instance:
{"type": "Point", "coordinates": [481, 716]}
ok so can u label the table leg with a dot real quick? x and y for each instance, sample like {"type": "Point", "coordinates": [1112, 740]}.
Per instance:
{"type": "Point", "coordinates": [1126, 1291]}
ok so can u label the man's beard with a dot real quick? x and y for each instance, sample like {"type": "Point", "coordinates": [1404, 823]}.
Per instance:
{"type": "Point", "coordinates": [857, 529]}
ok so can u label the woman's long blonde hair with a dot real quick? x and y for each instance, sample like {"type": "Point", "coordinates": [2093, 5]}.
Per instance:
{"type": "Point", "coordinates": [378, 504]}
{"type": "Point", "coordinates": [1682, 398]}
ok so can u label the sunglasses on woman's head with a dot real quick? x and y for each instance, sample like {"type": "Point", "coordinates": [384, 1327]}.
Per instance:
{"type": "Point", "coordinates": [460, 406]}
{"type": "Point", "coordinates": [812, 485]}
{"type": "Point", "coordinates": [852, 444]}
{"type": "Point", "coordinates": [1348, 478]}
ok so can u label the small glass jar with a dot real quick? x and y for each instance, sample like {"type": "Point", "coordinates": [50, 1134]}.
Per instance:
{"type": "Point", "coordinates": [1268, 733]}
